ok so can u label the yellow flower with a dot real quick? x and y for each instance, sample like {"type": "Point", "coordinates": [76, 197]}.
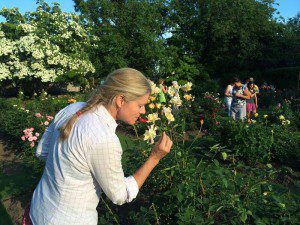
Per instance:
{"type": "Point", "coordinates": [152, 117]}
{"type": "Point", "coordinates": [169, 117]}
{"type": "Point", "coordinates": [148, 101]}
{"type": "Point", "coordinates": [265, 116]}
{"type": "Point", "coordinates": [187, 87]}
{"type": "Point", "coordinates": [187, 97]}
{"type": "Point", "coordinates": [158, 105]}
{"type": "Point", "coordinates": [201, 122]}
{"type": "Point", "coordinates": [256, 114]}
{"type": "Point", "coordinates": [281, 117]}
{"type": "Point", "coordinates": [151, 106]}
{"type": "Point", "coordinates": [152, 98]}
{"type": "Point", "coordinates": [72, 100]}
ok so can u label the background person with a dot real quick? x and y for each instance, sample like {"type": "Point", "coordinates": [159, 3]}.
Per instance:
{"type": "Point", "coordinates": [163, 91]}
{"type": "Point", "coordinates": [251, 103]}
{"type": "Point", "coordinates": [256, 88]}
{"type": "Point", "coordinates": [228, 97]}
{"type": "Point", "coordinates": [239, 95]}
{"type": "Point", "coordinates": [83, 153]}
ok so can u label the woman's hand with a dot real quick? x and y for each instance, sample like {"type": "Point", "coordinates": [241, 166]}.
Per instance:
{"type": "Point", "coordinates": [162, 147]}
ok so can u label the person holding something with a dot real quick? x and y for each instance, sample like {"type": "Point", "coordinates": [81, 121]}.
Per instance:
{"type": "Point", "coordinates": [83, 153]}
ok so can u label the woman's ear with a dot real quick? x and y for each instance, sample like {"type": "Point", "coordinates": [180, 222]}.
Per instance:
{"type": "Point", "coordinates": [119, 101]}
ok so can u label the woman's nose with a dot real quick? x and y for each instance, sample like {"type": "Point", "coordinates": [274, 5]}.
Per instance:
{"type": "Point", "coordinates": [143, 110]}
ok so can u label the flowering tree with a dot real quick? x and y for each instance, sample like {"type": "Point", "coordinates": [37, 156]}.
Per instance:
{"type": "Point", "coordinates": [44, 46]}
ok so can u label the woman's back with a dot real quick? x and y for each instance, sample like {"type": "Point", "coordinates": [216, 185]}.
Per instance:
{"type": "Point", "coordinates": [67, 188]}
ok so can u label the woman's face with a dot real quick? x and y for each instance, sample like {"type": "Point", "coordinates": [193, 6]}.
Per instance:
{"type": "Point", "coordinates": [130, 111]}
{"type": "Point", "coordinates": [251, 86]}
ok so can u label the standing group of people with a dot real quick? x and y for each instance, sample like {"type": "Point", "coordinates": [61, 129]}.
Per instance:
{"type": "Point", "coordinates": [241, 99]}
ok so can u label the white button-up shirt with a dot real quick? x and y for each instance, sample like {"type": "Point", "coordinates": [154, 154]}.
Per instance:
{"type": "Point", "coordinates": [78, 169]}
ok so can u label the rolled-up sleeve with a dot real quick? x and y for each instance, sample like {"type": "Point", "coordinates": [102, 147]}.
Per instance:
{"type": "Point", "coordinates": [104, 160]}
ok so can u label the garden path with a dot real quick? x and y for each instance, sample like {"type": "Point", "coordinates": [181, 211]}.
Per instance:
{"type": "Point", "coordinates": [12, 175]}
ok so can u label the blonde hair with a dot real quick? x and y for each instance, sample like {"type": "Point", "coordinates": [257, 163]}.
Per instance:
{"type": "Point", "coordinates": [126, 81]}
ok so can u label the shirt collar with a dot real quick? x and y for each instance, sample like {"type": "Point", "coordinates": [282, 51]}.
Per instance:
{"type": "Point", "coordinates": [106, 117]}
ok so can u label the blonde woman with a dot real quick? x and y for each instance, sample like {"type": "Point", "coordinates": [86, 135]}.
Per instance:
{"type": "Point", "coordinates": [83, 153]}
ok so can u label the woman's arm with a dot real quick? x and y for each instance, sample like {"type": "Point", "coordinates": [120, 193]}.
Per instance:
{"type": "Point", "coordinates": [164, 89]}
{"type": "Point", "coordinates": [256, 102]}
{"type": "Point", "coordinates": [44, 143]}
{"type": "Point", "coordinates": [104, 161]}
{"type": "Point", "coordinates": [227, 92]}
{"type": "Point", "coordinates": [161, 148]}
{"type": "Point", "coordinates": [245, 95]}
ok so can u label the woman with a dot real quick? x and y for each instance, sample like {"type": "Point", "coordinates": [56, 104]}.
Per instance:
{"type": "Point", "coordinates": [163, 91]}
{"type": "Point", "coordinates": [228, 97]}
{"type": "Point", "coordinates": [251, 104]}
{"type": "Point", "coordinates": [239, 95]}
{"type": "Point", "coordinates": [83, 153]}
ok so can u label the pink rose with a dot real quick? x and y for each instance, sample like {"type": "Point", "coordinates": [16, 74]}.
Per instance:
{"type": "Point", "coordinates": [23, 138]}
{"type": "Point", "coordinates": [46, 123]}
{"type": "Point", "coordinates": [49, 118]}
{"type": "Point", "coordinates": [34, 138]}
{"type": "Point", "coordinates": [32, 144]}
{"type": "Point", "coordinates": [30, 139]}
{"type": "Point", "coordinates": [37, 134]}
{"type": "Point", "coordinates": [38, 115]}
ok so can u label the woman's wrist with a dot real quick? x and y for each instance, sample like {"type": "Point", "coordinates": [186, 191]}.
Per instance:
{"type": "Point", "coordinates": [154, 158]}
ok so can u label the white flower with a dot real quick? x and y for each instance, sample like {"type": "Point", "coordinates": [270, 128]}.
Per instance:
{"type": "Point", "coordinates": [176, 101]}
{"type": "Point", "coordinates": [154, 88]}
{"type": "Point", "coordinates": [166, 110]}
{"type": "Point", "coordinates": [285, 122]}
{"type": "Point", "coordinates": [150, 134]}
{"type": "Point", "coordinates": [171, 91]}
{"type": "Point", "coordinates": [152, 118]}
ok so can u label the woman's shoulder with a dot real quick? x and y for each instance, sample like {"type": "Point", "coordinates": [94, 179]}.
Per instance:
{"type": "Point", "coordinates": [96, 129]}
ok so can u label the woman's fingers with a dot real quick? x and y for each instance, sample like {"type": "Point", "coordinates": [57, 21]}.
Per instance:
{"type": "Point", "coordinates": [161, 138]}
{"type": "Point", "coordinates": [164, 138]}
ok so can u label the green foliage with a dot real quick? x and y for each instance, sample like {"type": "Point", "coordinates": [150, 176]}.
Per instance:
{"type": "Point", "coordinates": [129, 32]}
{"type": "Point", "coordinates": [264, 141]}
{"type": "Point", "coordinates": [200, 182]}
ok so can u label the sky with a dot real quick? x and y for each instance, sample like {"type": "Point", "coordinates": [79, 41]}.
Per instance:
{"type": "Point", "coordinates": [287, 8]}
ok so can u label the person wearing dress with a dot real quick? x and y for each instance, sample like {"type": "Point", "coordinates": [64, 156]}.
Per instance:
{"type": "Point", "coordinates": [83, 153]}
{"type": "Point", "coordinates": [163, 91]}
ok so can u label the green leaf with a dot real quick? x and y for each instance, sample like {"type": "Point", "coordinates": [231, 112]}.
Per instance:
{"type": "Point", "coordinates": [224, 155]}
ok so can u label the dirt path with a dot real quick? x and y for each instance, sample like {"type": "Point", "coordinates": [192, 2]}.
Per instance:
{"type": "Point", "coordinates": [12, 173]}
